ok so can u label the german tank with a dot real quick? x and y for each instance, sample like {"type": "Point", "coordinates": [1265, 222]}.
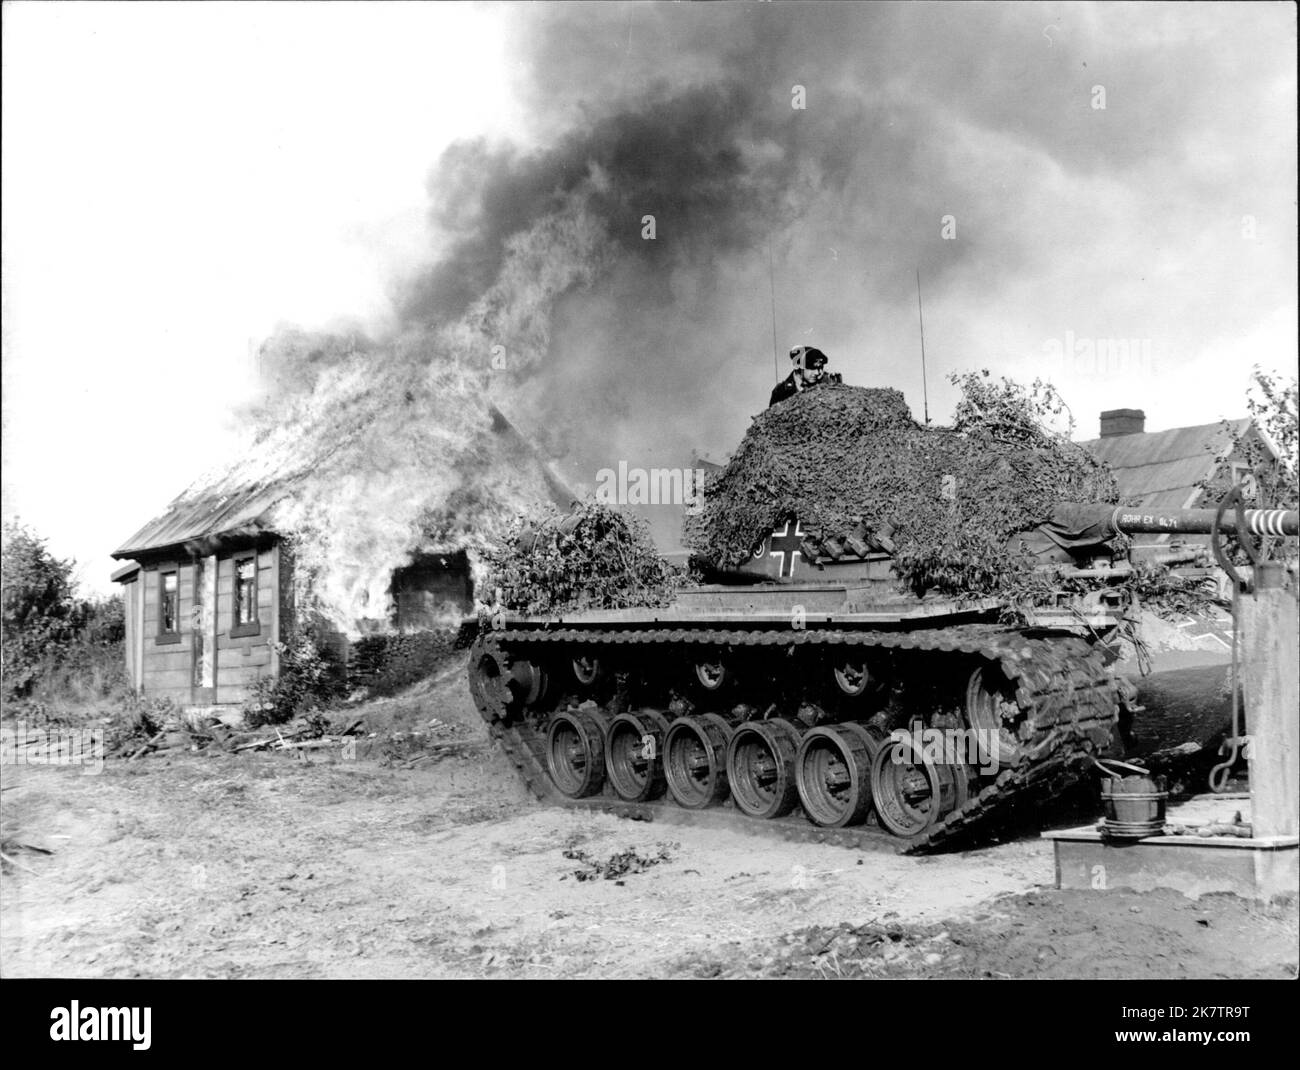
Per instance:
{"type": "Point", "coordinates": [806, 691]}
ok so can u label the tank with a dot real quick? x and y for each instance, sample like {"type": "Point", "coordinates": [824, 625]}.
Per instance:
{"type": "Point", "coordinates": [804, 693]}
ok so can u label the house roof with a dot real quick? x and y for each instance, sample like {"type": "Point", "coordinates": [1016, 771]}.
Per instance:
{"type": "Point", "coordinates": [241, 511]}
{"type": "Point", "coordinates": [126, 572]}
{"type": "Point", "coordinates": [239, 501]}
{"type": "Point", "coordinates": [1161, 469]}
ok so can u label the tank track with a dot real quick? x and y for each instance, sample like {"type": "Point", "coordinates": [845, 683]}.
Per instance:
{"type": "Point", "coordinates": [1068, 697]}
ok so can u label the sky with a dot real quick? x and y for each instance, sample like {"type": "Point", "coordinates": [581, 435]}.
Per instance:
{"type": "Point", "coordinates": [182, 182]}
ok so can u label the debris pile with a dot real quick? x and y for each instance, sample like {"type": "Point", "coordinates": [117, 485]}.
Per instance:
{"type": "Point", "coordinates": [872, 949]}
{"type": "Point", "coordinates": [346, 737]}
{"type": "Point", "coordinates": [434, 739]}
{"type": "Point", "coordinates": [619, 864]}
{"type": "Point", "coordinates": [845, 458]}
{"type": "Point", "coordinates": [164, 730]}
{"type": "Point", "coordinates": [312, 732]}
{"type": "Point", "coordinates": [595, 557]}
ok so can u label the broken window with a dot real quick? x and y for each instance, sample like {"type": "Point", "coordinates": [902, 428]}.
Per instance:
{"type": "Point", "coordinates": [245, 610]}
{"type": "Point", "coordinates": [1244, 476]}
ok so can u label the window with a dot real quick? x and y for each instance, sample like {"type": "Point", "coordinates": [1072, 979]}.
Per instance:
{"type": "Point", "coordinates": [1245, 477]}
{"type": "Point", "coordinates": [244, 617]}
{"type": "Point", "coordinates": [169, 606]}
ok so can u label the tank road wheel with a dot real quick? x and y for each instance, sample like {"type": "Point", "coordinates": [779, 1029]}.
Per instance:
{"type": "Point", "coordinates": [852, 679]}
{"type": "Point", "coordinates": [695, 760]}
{"type": "Point", "coordinates": [575, 753]}
{"type": "Point", "coordinates": [760, 767]}
{"type": "Point", "coordinates": [833, 771]}
{"type": "Point", "coordinates": [910, 793]}
{"type": "Point", "coordinates": [528, 681]}
{"type": "Point", "coordinates": [634, 747]}
{"type": "Point", "coordinates": [713, 675]}
{"type": "Point", "coordinates": [587, 669]}
{"type": "Point", "coordinates": [991, 709]}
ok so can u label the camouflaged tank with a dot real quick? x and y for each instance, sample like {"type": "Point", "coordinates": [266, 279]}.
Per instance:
{"type": "Point", "coordinates": [805, 692]}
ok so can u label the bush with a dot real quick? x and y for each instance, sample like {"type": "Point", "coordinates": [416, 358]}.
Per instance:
{"type": "Point", "coordinates": [58, 649]}
{"type": "Point", "coordinates": [384, 664]}
{"type": "Point", "coordinates": [595, 557]}
{"type": "Point", "coordinates": [310, 678]}
{"type": "Point", "coordinates": [1274, 481]}
{"type": "Point", "coordinates": [39, 609]}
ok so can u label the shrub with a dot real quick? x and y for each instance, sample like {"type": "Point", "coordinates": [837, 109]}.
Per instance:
{"type": "Point", "coordinates": [385, 664]}
{"type": "Point", "coordinates": [1274, 481]}
{"type": "Point", "coordinates": [310, 678]}
{"type": "Point", "coordinates": [595, 557]}
{"type": "Point", "coordinates": [39, 609]}
{"type": "Point", "coordinates": [58, 649]}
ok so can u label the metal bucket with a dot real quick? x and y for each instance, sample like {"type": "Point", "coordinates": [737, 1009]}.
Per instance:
{"type": "Point", "coordinates": [1133, 806]}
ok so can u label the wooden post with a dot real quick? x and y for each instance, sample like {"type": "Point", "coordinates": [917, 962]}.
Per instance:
{"type": "Point", "coordinates": [275, 611]}
{"type": "Point", "coordinates": [1271, 685]}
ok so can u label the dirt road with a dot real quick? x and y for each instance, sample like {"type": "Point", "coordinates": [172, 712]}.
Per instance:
{"type": "Point", "coordinates": [264, 865]}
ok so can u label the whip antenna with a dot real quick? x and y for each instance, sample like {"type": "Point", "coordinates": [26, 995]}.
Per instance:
{"type": "Point", "coordinates": [925, 392]}
{"type": "Point", "coordinates": [771, 285]}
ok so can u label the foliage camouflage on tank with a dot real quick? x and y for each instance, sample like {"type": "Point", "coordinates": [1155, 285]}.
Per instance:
{"type": "Point", "coordinates": [800, 694]}
{"type": "Point", "coordinates": [852, 465]}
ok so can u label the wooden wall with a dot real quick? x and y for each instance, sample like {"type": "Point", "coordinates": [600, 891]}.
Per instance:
{"type": "Point", "coordinates": [166, 670]}
{"type": "Point", "coordinates": [242, 661]}
{"type": "Point", "coordinates": [166, 667]}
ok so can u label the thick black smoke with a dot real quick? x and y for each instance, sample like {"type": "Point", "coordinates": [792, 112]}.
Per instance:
{"type": "Point", "coordinates": [703, 162]}
{"type": "Point", "coordinates": [774, 183]}
{"type": "Point", "coordinates": [816, 217]}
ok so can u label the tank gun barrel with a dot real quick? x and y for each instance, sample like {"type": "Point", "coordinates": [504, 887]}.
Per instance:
{"type": "Point", "coordinates": [1131, 520]}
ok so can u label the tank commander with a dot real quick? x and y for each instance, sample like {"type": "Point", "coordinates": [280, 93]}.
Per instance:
{"type": "Point", "coordinates": [809, 370]}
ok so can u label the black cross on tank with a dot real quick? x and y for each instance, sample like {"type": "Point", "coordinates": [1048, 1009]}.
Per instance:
{"type": "Point", "coordinates": [785, 545]}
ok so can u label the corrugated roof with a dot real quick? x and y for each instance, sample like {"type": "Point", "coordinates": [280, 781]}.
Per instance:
{"type": "Point", "coordinates": [1160, 469]}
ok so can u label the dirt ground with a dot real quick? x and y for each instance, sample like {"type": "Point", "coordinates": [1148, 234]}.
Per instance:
{"type": "Point", "coordinates": [267, 865]}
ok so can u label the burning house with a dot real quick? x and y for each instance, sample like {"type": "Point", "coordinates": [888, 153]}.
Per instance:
{"type": "Point", "coordinates": [229, 570]}
{"type": "Point", "coordinates": [378, 469]}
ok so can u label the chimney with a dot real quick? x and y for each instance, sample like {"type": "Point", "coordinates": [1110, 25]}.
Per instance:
{"type": "Point", "coordinates": [1122, 422]}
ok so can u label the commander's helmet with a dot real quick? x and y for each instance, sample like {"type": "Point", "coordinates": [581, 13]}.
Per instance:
{"type": "Point", "coordinates": [808, 357]}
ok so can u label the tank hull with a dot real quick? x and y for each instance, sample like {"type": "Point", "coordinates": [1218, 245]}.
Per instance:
{"type": "Point", "coordinates": [844, 712]}
{"type": "Point", "coordinates": [805, 694]}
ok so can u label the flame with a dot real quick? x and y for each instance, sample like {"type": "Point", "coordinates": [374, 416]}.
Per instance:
{"type": "Point", "coordinates": [394, 449]}
{"type": "Point", "coordinates": [548, 300]}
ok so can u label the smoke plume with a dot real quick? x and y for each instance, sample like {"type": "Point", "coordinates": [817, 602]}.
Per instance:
{"type": "Point", "coordinates": [796, 161]}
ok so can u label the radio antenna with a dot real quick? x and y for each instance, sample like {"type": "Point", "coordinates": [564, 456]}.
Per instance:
{"type": "Point", "coordinates": [925, 392]}
{"type": "Point", "coordinates": [771, 285]}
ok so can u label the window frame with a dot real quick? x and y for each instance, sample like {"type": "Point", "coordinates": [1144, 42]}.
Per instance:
{"type": "Point", "coordinates": [162, 636]}
{"type": "Point", "coordinates": [1242, 473]}
{"type": "Point", "coordinates": [254, 626]}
